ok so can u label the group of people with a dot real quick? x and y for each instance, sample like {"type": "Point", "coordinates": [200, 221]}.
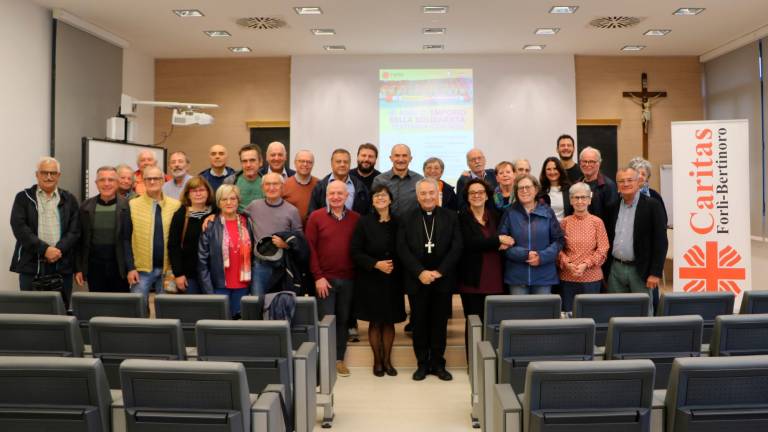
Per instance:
{"type": "Point", "coordinates": [356, 239]}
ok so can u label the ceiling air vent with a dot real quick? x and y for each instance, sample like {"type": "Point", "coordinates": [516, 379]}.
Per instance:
{"type": "Point", "coordinates": [262, 23]}
{"type": "Point", "coordinates": [614, 22]}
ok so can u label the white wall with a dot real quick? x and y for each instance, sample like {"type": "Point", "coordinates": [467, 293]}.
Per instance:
{"type": "Point", "coordinates": [522, 102]}
{"type": "Point", "coordinates": [25, 124]}
{"type": "Point", "coordinates": [139, 82]}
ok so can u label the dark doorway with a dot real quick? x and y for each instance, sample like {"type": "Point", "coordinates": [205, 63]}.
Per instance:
{"type": "Point", "coordinates": [262, 136]}
{"type": "Point", "coordinates": [602, 138]}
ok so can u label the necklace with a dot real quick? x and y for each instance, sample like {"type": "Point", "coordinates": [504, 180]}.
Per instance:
{"type": "Point", "coordinates": [429, 245]}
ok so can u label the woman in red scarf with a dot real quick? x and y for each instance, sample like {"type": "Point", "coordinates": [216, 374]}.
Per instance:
{"type": "Point", "coordinates": [226, 249]}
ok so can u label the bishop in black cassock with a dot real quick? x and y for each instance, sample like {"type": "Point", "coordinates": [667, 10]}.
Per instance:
{"type": "Point", "coordinates": [429, 246]}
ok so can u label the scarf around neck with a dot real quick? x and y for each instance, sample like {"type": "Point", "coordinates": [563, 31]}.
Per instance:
{"type": "Point", "coordinates": [244, 241]}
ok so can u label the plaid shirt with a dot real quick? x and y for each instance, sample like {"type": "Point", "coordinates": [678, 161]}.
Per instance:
{"type": "Point", "coordinates": [48, 221]}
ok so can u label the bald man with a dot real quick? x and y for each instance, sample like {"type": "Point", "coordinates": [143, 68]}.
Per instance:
{"type": "Point", "coordinates": [215, 175]}
{"type": "Point", "coordinates": [144, 159]}
{"type": "Point", "coordinates": [329, 234]}
{"type": "Point", "coordinates": [400, 180]}
{"type": "Point", "coordinates": [277, 157]}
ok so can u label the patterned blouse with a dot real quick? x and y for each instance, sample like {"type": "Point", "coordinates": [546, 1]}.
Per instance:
{"type": "Point", "coordinates": [585, 242]}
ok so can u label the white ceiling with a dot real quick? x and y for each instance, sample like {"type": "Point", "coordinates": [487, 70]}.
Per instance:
{"type": "Point", "coordinates": [395, 26]}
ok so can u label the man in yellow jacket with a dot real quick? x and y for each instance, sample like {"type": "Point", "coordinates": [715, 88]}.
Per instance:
{"type": "Point", "coordinates": [151, 215]}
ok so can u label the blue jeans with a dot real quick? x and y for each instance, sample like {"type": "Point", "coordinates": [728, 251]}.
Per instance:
{"type": "Point", "coordinates": [234, 298]}
{"type": "Point", "coordinates": [262, 272]}
{"type": "Point", "coordinates": [571, 289]}
{"type": "Point", "coordinates": [530, 289]}
{"type": "Point", "coordinates": [147, 280]}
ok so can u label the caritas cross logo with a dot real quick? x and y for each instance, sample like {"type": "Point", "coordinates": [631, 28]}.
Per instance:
{"type": "Point", "coordinates": [712, 269]}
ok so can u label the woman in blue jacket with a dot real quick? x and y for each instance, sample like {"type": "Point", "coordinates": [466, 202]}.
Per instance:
{"type": "Point", "coordinates": [225, 251]}
{"type": "Point", "coordinates": [530, 265]}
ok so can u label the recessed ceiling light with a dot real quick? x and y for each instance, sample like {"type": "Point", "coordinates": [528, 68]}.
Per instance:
{"type": "Point", "coordinates": [187, 13]}
{"type": "Point", "coordinates": [434, 31]}
{"type": "Point", "coordinates": [534, 47]}
{"type": "Point", "coordinates": [547, 31]}
{"type": "Point", "coordinates": [688, 11]}
{"type": "Point", "coordinates": [633, 47]}
{"type": "Point", "coordinates": [217, 33]}
{"type": "Point", "coordinates": [434, 9]}
{"type": "Point", "coordinates": [334, 48]}
{"type": "Point", "coordinates": [657, 32]}
{"type": "Point", "coordinates": [563, 9]}
{"type": "Point", "coordinates": [308, 10]}
{"type": "Point", "coordinates": [323, 32]}
{"type": "Point", "coordinates": [433, 47]}
{"type": "Point", "coordinates": [240, 49]}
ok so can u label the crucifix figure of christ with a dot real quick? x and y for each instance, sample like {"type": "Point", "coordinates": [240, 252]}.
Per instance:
{"type": "Point", "coordinates": [645, 99]}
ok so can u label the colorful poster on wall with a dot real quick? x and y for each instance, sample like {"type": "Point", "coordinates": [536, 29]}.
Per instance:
{"type": "Point", "coordinates": [430, 110]}
{"type": "Point", "coordinates": [712, 243]}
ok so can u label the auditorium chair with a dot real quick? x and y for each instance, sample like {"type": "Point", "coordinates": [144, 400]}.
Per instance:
{"type": "Point", "coordinates": [53, 394]}
{"type": "Point", "coordinates": [718, 394]}
{"type": "Point", "coordinates": [32, 302]}
{"type": "Point", "coordinates": [659, 339]}
{"type": "Point", "coordinates": [708, 305]}
{"type": "Point", "coordinates": [116, 339]}
{"type": "Point", "coordinates": [754, 302]}
{"type": "Point", "coordinates": [86, 305]}
{"type": "Point", "coordinates": [524, 341]}
{"type": "Point", "coordinates": [498, 308]}
{"type": "Point", "coordinates": [185, 396]}
{"type": "Point", "coordinates": [40, 335]}
{"type": "Point", "coordinates": [597, 396]}
{"type": "Point", "coordinates": [739, 335]}
{"type": "Point", "coordinates": [264, 348]}
{"type": "Point", "coordinates": [190, 308]}
{"type": "Point", "coordinates": [603, 307]}
{"type": "Point", "coordinates": [306, 327]}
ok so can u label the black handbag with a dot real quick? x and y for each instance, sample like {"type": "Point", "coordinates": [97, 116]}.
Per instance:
{"type": "Point", "coordinates": [47, 282]}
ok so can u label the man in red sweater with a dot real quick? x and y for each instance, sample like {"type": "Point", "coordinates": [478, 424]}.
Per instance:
{"type": "Point", "coordinates": [329, 234]}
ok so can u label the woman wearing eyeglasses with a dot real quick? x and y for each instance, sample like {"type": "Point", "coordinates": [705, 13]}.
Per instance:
{"type": "Point", "coordinates": [585, 250]}
{"type": "Point", "coordinates": [529, 266]}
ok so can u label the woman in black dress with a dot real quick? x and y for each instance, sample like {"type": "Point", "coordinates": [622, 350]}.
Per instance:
{"type": "Point", "coordinates": [378, 284]}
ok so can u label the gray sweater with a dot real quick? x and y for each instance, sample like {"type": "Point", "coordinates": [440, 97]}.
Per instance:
{"type": "Point", "coordinates": [269, 219]}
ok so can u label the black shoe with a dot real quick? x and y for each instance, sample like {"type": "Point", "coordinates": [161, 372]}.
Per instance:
{"type": "Point", "coordinates": [442, 374]}
{"type": "Point", "coordinates": [378, 370]}
{"type": "Point", "coordinates": [390, 370]}
{"type": "Point", "coordinates": [420, 374]}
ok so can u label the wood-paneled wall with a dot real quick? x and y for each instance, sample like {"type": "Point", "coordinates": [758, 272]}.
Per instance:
{"type": "Point", "coordinates": [601, 80]}
{"type": "Point", "coordinates": [246, 89]}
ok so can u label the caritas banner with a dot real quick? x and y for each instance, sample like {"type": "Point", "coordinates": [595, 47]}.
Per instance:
{"type": "Point", "coordinates": [711, 206]}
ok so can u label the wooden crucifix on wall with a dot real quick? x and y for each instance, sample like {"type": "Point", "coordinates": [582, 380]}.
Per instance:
{"type": "Point", "coordinates": [645, 99]}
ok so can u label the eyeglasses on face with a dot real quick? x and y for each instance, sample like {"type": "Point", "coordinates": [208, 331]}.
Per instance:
{"type": "Point", "coordinates": [580, 198]}
{"type": "Point", "coordinates": [152, 179]}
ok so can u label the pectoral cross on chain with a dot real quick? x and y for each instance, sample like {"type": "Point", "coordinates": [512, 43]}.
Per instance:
{"type": "Point", "coordinates": [429, 245]}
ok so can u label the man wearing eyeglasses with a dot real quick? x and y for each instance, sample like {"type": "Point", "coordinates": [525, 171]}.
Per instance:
{"type": "Point", "coordinates": [151, 214]}
{"type": "Point", "coordinates": [604, 192]}
{"type": "Point", "coordinates": [45, 223]}
{"type": "Point", "coordinates": [476, 164]}
{"type": "Point", "coordinates": [637, 230]}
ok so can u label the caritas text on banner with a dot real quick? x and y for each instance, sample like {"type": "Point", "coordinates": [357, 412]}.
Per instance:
{"type": "Point", "coordinates": [712, 240]}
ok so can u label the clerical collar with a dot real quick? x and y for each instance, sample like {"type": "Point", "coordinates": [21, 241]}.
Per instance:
{"type": "Point", "coordinates": [106, 203]}
{"type": "Point", "coordinates": [428, 213]}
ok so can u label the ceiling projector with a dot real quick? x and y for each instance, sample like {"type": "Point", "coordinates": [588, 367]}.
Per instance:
{"type": "Point", "coordinates": [190, 117]}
